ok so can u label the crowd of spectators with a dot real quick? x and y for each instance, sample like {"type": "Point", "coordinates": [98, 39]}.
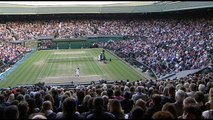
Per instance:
{"type": "Point", "coordinates": [156, 30]}
{"type": "Point", "coordinates": [170, 45]}
{"type": "Point", "coordinates": [165, 45]}
{"type": "Point", "coordinates": [166, 57]}
{"type": "Point", "coordinates": [185, 98]}
{"type": "Point", "coordinates": [10, 53]}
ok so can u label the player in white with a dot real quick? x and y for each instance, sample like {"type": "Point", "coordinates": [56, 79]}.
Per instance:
{"type": "Point", "coordinates": [77, 72]}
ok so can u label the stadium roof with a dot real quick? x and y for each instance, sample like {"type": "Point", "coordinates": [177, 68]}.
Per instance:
{"type": "Point", "coordinates": [73, 3]}
{"type": "Point", "coordinates": [40, 7]}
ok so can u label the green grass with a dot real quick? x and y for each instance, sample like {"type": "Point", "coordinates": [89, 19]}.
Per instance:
{"type": "Point", "coordinates": [39, 66]}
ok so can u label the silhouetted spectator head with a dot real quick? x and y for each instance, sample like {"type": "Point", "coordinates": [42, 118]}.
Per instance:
{"type": "Point", "coordinates": [156, 99]}
{"type": "Point", "coordinates": [183, 88]}
{"type": "Point", "coordinates": [86, 99]}
{"type": "Point", "coordinates": [199, 96]}
{"type": "Point", "coordinates": [47, 105]}
{"type": "Point", "coordinates": [166, 91]}
{"type": "Point", "coordinates": [26, 97]}
{"type": "Point", "coordinates": [103, 93]}
{"type": "Point", "coordinates": [98, 92]}
{"type": "Point", "coordinates": [139, 89]}
{"type": "Point", "coordinates": [69, 106]}
{"type": "Point", "coordinates": [202, 88]}
{"type": "Point", "coordinates": [68, 93]}
{"type": "Point", "coordinates": [170, 108]}
{"type": "Point", "coordinates": [162, 115]}
{"type": "Point", "coordinates": [31, 103]}
{"type": "Point", "coordinates": [20, 97]}
{"type": "Point", "coordinates": [38, 99]}
{"type": "Point", "coordinates": [132, 89]}
{"type": "Point", "coordinates": [115, 106]}
{"type": "Point", "coordinates": [193, 87]}
{"type": "Point", "coordinates": [161, 87]}
{"type": "Point", "coordinates": [98, 104]}
{"type": "Point", "coordinates": [189, 101]}
{"type": "Point", "coordinates": [106, 100]}
{"type": "Point", "coordinates": [186, 86]}
{"type": "Point", "coordinates": [109, 92]}
{"type": "Point", "coordinates": [23, 110]}
{"type": "Point", "coordinates": [80, 95]}
{"type": "Point", "coordinates": [180, 95]}
{"type": "Point", "coordinates": [192, 112]}
{"type": "Point", "coordinates": [209, 85]}
{"type": "Point", "coordinates": [137, 113]}
{"type": "Point", "coordinates": [126, 88]}
{"type": "Point", "coordinates": [64, 97]}
{"type": "Point", "coordinates": [15, 102]}
{"type": "Point", "coordinates": [127, 95]}
{"type": "Point", "coordinates": [141, 103]}
{"type": "Point", "coordinates": [49, 98]}
{"type": "Point", "coordinates": [117, 93]}
{"type": "Point", "coordinates": [171, 91]}
{"type": "Point", "coordinates": [11, 112]}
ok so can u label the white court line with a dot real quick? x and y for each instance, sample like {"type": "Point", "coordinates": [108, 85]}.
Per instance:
{"type": "Point", "coordinates": [91, 66]}
{"type": "Point", "coordinates": [42, 69]}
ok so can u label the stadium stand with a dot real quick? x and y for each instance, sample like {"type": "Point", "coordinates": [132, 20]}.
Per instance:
{"type": "Point", "coordinates": [165, 45]}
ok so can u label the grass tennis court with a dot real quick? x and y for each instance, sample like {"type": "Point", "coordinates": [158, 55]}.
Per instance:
{"type": "Point", "coordinates": [58, 66]}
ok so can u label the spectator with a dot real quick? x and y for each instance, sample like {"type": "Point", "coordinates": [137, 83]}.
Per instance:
{"type": "Point", "coordinates": [38, 100]}
{"type": "Point", "coordinates": [202, 89]}
{"type": "Point", "coordinates": [199, 97]}
{"type": "Point", "coordinates": [47, 110]}
{"type": "Point", "coordinates": [83, 107]}
{"type": "Point", "coordinates": [90, 106]}
{"type": "Point", "coordinates": [127, 104]}
{"type": "Point", "coordinates": [139, 94]}
{"type": "Point", "coordinates": [141, 103]}
{"type": "Point", "coordinates": [180, 96]}
{"type": "Point", "coordinates": [80, 97]}
{"type": "Point", "coordinates": [116, 109]}
{"type": "Point", "coordinates": [171, 97]}
{"type": "Point", "coordinates": [192, 90]}
{"type": "Point", "coordinates": [118, 95]}
{"type": "Point", "coordinates": [32, 106]}
{"type": "Point", "coordinates": [99, 112]}
{"type": "Point", "coordinates": [170, 108]}
{"type": "Point", "coordinates": [209, 104]}
{"type": "Point", "coordinates": [155, 106]}
{"type": "Point", "coordinates": [56, 97]}
{"type": "Point", "coordinates": [50, 98]}
{"type": "Point", "coordinates": [192, 112]}
{"type": "Point", "coordinates": [137, 113]}
{"type": "Point", "coordinates": [189, 101]}
{"type": "Point", "coordinates": [11, 112]}
{"type": "Point", "coordinates": [20, 97]}
{"type": "Point", "coordinates": [106, 100]}
{"type": "Point", "coordinates": [163, 115]}
{"type": "Point", "coordinates": [23, 108]}
{"type": "Point", "coordinates": [59, 109]}
{"type": "Point", "coordinates": [69, 110]}
{"type": "Point", "coordinates": [110, 94]}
